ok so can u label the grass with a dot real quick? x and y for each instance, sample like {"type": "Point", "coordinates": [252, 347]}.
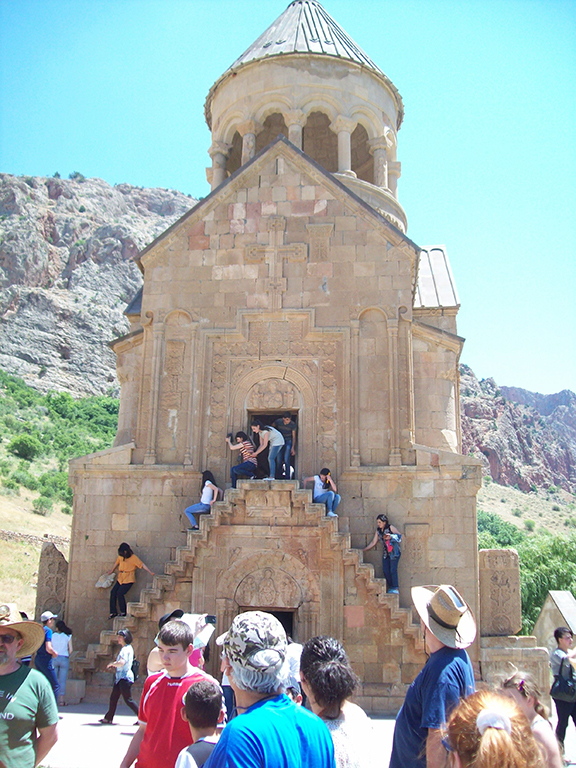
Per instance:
{"type": "Point", "coordinates": [18, 573]}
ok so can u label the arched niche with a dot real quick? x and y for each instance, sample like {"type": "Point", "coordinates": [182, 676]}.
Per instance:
{"type": "Point", "coordinates": [273, 125]}
{"type": "Point", "coordinates": [373, 388]}
{"type": "Point", "coordinates": [362, 160]}
{"type": "Point", "coordinates": [320, 142]}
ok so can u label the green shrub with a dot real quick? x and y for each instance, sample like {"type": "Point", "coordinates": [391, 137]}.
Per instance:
{"type": "Point", "coordinates": [5, 467]}
{"type": "Point", "coordinates": [503, 534]}
{"type": "Point", "coordinates": [66, 509]}
{"type": "Point", "coordinates": [25, 446]}
{"type": "Point", "coordinates": [517, 512]}
{"type": "Point", "coordinates": [82, 209]}
{"type": "Point", "coordinates": [529, 525]}
{"type": "Point", "coordinates": [42, 506]}
{"type": "Point", "coordinates": [555, 508]}
{"type": "Point", "coordinates": [10, 484]}
{"type": "Point", "coordinates": [76, 176]}
{"type": "Point", "coordinates": [26, 479]}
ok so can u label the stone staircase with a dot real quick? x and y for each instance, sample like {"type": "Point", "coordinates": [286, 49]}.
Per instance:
{"type": "Point", "coordinates": [91, 664]}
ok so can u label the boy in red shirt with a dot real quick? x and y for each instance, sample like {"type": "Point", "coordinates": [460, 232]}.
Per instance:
{"type": "Point", "coordinates": [162, 733]}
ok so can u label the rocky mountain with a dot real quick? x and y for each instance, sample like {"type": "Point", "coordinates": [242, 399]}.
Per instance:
{"type": "Point", "coordinates": [66, 274]}
{"type": "Point", "coordinates": [524, 439]}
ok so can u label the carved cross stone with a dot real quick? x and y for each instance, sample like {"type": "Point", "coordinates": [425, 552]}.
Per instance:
{"type": "Point", "coordinates": [274, 254]}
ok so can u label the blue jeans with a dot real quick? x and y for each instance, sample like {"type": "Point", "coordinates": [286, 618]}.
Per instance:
{"type": "Point", "coordinates": [287, 458]}
{"type": "Point", "coordinates": [329, 498]}
{"type": "Point", "coordinates": [199, 509]}
{"type": "Point", "coordinates": [246, 468]}
{"type": "Point", "coordinates": [47, 668]}
{"type": "Point", "coordinates": [273, 452]}
{"type": "Point", "coordinates": [390, 566]}
{"type": "Point", "coordinates": [61, 664]}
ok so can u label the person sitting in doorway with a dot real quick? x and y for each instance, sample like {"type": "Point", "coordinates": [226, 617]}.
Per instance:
{"type": "Point", "coordinates": [210, 493]}
{"type": "Point", "coordinates": [325, 491]}
{"type": "Point", "coordinates": [269, 437]}
{"type": "Point", "coordinates": [247, 466]}
{"type": "Point", "coordinates": [390, 538]}
{"type": "Point", "coordinates": [287, 428]}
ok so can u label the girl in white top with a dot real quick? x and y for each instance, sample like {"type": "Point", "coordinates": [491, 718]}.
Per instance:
{"type": "Point", "coordinates": [522, 688]}
{"type": "Point", "coordinates": [62, 644]}
{"type": "Point", "coordinates": [325, 491]}
{"type": "Point", "coordinates": [210, 493]}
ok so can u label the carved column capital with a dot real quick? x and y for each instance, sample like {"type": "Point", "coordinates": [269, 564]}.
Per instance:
{"type": "Point", "coordinates": [219, 148]}
{"type": "Point", "coordinates": [295, 117]}
{"type": "Point", "coordinates": [342, 123]}
{"type": "Point", "coordinates": [249, 126]}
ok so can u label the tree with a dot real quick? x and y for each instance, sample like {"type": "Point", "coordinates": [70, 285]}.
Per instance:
{"type": "Point", "coordinates": [25, 446]}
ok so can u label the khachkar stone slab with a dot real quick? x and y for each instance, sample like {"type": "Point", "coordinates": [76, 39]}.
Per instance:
{"type": "Point", "coordinates": [500, 603]}
{"type": "Point", "coordinates": [52, 576]}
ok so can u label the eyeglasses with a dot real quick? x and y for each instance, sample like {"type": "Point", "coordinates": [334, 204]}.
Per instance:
{"type": "Point", "coordinates": [7, 639]}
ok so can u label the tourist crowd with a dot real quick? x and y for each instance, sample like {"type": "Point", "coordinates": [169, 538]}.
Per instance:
{"type": "Point", "coordinates": [289, 706]}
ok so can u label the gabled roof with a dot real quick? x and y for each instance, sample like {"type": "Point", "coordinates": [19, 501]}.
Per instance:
{"type": "Point", "coordinates": [330, 180]}
{"type": "Point", "coordinates": [306, 28]}
{"type": "Point", "coordinates": [435, 286]}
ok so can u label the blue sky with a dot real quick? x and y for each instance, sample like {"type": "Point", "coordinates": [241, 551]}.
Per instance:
{"type": "Point", "coordinates": [116, 89]}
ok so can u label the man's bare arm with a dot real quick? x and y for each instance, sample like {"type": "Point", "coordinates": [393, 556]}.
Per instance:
{"type": "Point", "coordinates": [134, 748]}
{"type": "Point", "coordinates": [47, 737]}
{"type": "Point", "coordinates": [436, 754]}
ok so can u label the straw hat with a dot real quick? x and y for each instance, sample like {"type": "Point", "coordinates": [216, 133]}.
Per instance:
{"type": "Point", "coordinates": [446, 614]}
{"type": "Point", "coordinates": [31, 632]}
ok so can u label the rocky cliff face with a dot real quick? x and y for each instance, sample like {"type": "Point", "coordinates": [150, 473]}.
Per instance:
{"type": "Point", "coordinates": [523, 438]}
{"type": "Point", "coordinates": [66, 274]}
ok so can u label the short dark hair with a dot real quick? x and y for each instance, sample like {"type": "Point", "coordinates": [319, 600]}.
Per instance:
{"type": "Point", "coordinates": [176, 633]}
{"type": "Point", "coordinates": [560, 632]}
{"type": "Point", "coordinates": [325, 666]}
{"type": "Point", "coordinates": [126, 634]}
{"type": "Point", "coordinates": [287, 415]}
{"type": "Point", "coordinates": [125, 551]}
{"type": "Point", "coordinates": [203, 704]}
{"type": "Point", "coordinates": [324, 471]}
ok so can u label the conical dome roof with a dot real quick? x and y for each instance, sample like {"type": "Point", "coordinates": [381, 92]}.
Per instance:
{"type": "Point", "coordinates": [306, 28]}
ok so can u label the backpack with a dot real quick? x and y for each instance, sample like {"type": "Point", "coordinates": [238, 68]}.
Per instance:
{"type": "Point", "coordinates": [135, 669]}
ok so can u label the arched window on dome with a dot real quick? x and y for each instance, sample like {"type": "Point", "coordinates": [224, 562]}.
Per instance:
{"type": "Point", "coordinates": [272, 126]}
{"type": "Point", "coordinates": [362, 160]}
{"type": "Point", "coordinates": [235, 156]}
{"type": "Point", "coordinates": [320, 142]}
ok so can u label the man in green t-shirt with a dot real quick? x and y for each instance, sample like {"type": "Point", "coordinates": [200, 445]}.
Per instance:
{"type": "Point", "coordinates": [28, 711]}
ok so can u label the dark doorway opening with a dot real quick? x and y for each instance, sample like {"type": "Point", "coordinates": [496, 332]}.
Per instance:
{"type": "Point", "coordinates": [268, 418]}
{"type": "Point", "coordinates": [286, 618]}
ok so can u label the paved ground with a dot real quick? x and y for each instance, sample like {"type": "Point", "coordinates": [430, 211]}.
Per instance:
{"type": "Point", "coordinates": [85, 743]}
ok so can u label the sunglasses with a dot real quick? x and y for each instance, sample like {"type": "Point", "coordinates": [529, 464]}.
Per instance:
{"type": "Point", "coordinates": [7, 639]}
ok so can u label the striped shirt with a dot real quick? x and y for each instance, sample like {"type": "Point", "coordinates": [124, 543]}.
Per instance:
{"type": "Point", "coordinates": [247, 452]}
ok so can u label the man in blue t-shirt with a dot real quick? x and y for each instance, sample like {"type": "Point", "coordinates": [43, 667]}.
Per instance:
{"type": "Point", "coordinates": [271, 731]}
{"type": "Point", "coordinates": [449, 627]}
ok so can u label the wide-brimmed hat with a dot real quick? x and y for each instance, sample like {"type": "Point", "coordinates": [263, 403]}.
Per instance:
{"type": "Point", "coordinates": [31, 632]}
{"type": "Point", "coordinates": [256, 640]}
{"type": "Point", "coordinates": [446, 614]}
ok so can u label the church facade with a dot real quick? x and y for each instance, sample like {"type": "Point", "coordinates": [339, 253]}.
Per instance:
{"type": "Point", "coordinates": [293, 287]}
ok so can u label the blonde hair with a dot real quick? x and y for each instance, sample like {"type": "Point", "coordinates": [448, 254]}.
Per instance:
{"type": "Point", "coordinates": [525, 684]}
{"type": "Point", "coordinates": [495, 746]}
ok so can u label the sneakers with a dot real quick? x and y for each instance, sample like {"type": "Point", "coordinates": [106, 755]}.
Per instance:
{"type": "Point", "coordinates": [331, 514]}
{"type": "Point", "coordinates": [105, 722]}
{"type": "Point", "coordinates": [393, 591]}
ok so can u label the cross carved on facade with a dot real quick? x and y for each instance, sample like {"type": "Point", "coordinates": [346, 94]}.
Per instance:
{"type": "Point", "coordinates": [274, 254]}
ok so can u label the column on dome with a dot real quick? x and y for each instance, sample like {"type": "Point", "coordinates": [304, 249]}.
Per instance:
{"type": "Point", "coordinates": [295, 121]}
{"type": "Point", "coordinates": [248, 130]}
{"type": "Point", "coordinates": [219, 153]}
{"type": "Point", "coordinates": [343, 127]}
{"type": "Point", "coordinates": [378, 148]}
{"type": "Point", "coordinates": [393, 176]}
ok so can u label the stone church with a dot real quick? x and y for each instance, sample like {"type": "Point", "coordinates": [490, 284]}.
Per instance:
{"type": "Point", "coordinates": [293, 286]}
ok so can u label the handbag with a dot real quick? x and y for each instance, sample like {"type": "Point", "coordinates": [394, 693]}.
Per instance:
{"type": "Point", "coordinates": [564, 688]}
{"type": "Point", "coordinates": [105, 581]}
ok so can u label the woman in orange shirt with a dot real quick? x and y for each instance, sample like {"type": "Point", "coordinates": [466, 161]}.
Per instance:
{"type": "Point", "coordinates": [126, 562]}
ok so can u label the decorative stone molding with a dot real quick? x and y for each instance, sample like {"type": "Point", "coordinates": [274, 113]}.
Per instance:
{"type": "Point", "coordinates": [319, 240]}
